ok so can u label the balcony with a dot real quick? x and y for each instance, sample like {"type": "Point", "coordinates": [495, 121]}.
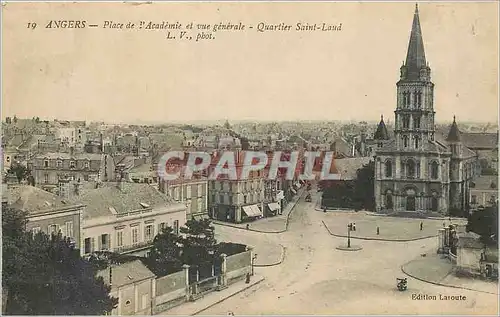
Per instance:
{"type": "Point", "coordinates": [134, 247]}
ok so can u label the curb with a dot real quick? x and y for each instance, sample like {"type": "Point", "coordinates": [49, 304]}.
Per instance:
{"type": "Point", "coordinates": [287, 220]}
{"type": "Point", "coordinates": [282, 258]}
{"type": "Point", "coordinates": [440, 284]}
{"type": "Point", "coordinates": [227, 297]}
{"type": "Point", "coordinates": [377, 239]}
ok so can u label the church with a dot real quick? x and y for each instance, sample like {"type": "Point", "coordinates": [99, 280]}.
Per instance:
{"type": "Point", "coordinates": [416, 170]}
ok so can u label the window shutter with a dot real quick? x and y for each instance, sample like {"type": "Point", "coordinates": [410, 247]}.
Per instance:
{"type": "Point", "coordinates": [92, 244]}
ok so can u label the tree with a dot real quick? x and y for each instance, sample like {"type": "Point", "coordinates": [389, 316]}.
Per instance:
{"type": "Point", "coordinates": [45, 275]}
{"type": "Point", "coordinates": [365, 187]}
{"type": "Point", "coordinates": [199, 243]}
{"type": "Point", "coordinates": [485, 223]}
{"type": "Point", "coordinates": [164, 256]}
{"type": "Point", "coordinates": [19, 170]}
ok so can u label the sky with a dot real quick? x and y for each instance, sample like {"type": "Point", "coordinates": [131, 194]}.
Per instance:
{"type": "Point", "coordinates": [98, 74]}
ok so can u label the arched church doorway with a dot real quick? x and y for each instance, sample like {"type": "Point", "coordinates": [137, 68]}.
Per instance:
{"type": "Point", "coordinates": [388, 200]}
{"type": "Point", "coordinates": [434, 202]}
{"type": "Point", "coordinates": [410, 200]}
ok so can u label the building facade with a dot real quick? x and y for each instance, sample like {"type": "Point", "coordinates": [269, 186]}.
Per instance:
{"type": "Point", "coordinates": [414, 171]}
{"type": "Point", "coordinates": [48, 169]}
{"type": "Point", "coordinates": [47, 212]}
{"type": "Point", "coordinates": [125, 217]}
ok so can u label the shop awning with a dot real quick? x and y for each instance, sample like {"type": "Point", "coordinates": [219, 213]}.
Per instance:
{"type": "Point", "coordinates": [252, 211]}
{"type": "Point", "coordinates": [257, 211]}
{"type": "Point", "coordinates": [273, 206]}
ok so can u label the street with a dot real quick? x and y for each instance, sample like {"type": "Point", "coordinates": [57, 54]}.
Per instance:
{"type": "Point", "coordinates": [315, 278]}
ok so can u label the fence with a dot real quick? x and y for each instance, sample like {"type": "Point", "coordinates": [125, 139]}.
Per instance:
{"type": "Point", "coordinates": [170, 291]}
{"type": "Point", "coordinates": [193, 282]}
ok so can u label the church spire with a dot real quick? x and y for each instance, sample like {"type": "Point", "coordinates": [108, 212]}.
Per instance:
{"type": "Point", "coordinates": [415, 57]}
{"type": "Point", "coordinates": [381, 132]}
{"type": "Point", "coordinates": [454, 133]}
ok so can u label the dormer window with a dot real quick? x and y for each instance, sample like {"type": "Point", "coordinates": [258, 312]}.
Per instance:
{"type": "Point", "coordinates": [72, 164]}
{"type": "Point", "coordinates": [59, 163]}
{"type": "Point", "coordinates": [46, 163]}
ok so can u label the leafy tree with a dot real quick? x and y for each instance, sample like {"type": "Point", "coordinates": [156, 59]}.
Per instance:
{"type": "Point", "coordinates": [19, 170]}
{"type": "Point", "coordinates": [45, 275]}
{"type": "Point", "coordinates": [15, 119]}
{"type": "Point", "coordinates": [198, 243]}
{"type": "Point", "coordinates": [338, 194]}
{"type": "Point", "coordinates": [164, 256]}
{"type": "Point", "coordinates": [8, 120]}
{"type": "Point", "coordinates": [365, 187]}
{"type": "Point", "coordinates": [485, 223]}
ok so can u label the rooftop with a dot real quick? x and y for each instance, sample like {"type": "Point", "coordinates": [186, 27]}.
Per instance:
{"type": "Point", "coordinates": [126, 273]}
{"type": "Point", "coordinates": [109, 199]}
{"type": "Point", "coordinates": [34, 200]}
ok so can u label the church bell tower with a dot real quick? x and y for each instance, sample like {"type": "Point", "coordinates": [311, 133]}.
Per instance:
{"type": "Point", "coordinates": [414, 115]}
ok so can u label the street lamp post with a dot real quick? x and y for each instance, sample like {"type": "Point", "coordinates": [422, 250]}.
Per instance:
{"type": "Point", "coordinates": [349, 228]}
{"type": "Point", "coordinates": [253, 260]}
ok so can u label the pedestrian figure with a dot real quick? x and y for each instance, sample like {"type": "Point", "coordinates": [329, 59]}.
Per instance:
{"type": "Point", "coordinates": [353, 226]}
{"type": "Point", "coordinates": [444, 225]}
{"type": "Point", "coordinates": [248, 226]}
{"type": "Point", "coordinates": [248, 278]}
{"type": "Point", "coordinates": [324, 209]}
{"type": "Point", "coordinates": [378, 231]}
{"type": "Point", "coordinates": [421, 226]}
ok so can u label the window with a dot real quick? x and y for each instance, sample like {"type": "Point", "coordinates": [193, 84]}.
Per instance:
{"type": "Point", "coordinates": [434, 170]}
{"type": "Point", "coordinates": [213, 198]}
{"type": "Point", "coordinates": [53, 229]}
{"type": "Point", "coordinates": [244, 199]}
{"type": "Point", "coordinates": [188, 191]}
{"type": "Point", "coordinates": [432, 136]}
{"type": "Point", "coordinates": [474, 199]}
{"type": "Point", "coordinates": [406, 122]}
{"type": "Point", "coordinates": [176, 227]}
{"type": "Point", "coordinates": [177, 193]}
{"type": "Point", "coordinates": [72, 164]}
{"type": "Point", "coordinates": [135, 235]}
{"type": "Point", "coordinates": [46, 163]}
{"type": "Point", "coordinates": [221, 199]}
{"type": "Point", "coordinates": [8, 159]}
{"type": "Point", "coordinates": [144, 301]}
{"type": "Point", "coordinates": [69, 229]}
{"type": "Point", "coordinates": [45, 178]}
{"type": "Point", "coordinates": [388, 169]}
{"type": "Point", "coordinates": [59, 163]}
{"type": "Point", "coordinates": [416, 123]}
{"type": "Point", "coordinates": [417, 143]}
{"type": "Point", "coordinates": [161, 226]}
{"type": "Point", "coordinates": [87, 164]}
{"type": "Point", "coordinates": [104, 241]}
{"type": "Point", "coordinates": [418, 97]}
{"type": "Point", "coordinates": [119, 238]}
{"type": "Point", "coordinates": [89, 245]}
{"type": "Point", "coordinates": [410, 169]}
{"type": "Point", "coordinates": [200, 204]}
{"type": "Point", "coordinates": [405, 141]}
{"type": "Point", "coordinates": [149, 233]}
{"type": "Point", "coordinates": [200, 190]}
{"type": "Point", "coordinates": [35, 230]}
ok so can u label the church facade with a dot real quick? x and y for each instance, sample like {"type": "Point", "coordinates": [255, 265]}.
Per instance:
{"type": "Point", "coordinates": [414, 169]}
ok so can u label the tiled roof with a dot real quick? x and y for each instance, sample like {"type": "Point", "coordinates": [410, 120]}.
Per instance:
{"type": "Point", "coordinates": [126, 273]}
{"type": "Point", "coordinates": [34, 200]}
{"type": "Point", "coordinates": [454, 133]}
{"type": "Point", "coordinates": [348, 167]}
{"type": "Point", "coordinates": [484, 182]}
{"type": "Point", "coordinates": [480, 140]}
{"type": "Point", "coordinates": [108, 198]}
{"type": "Point", "coordinates": [67, 156]}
